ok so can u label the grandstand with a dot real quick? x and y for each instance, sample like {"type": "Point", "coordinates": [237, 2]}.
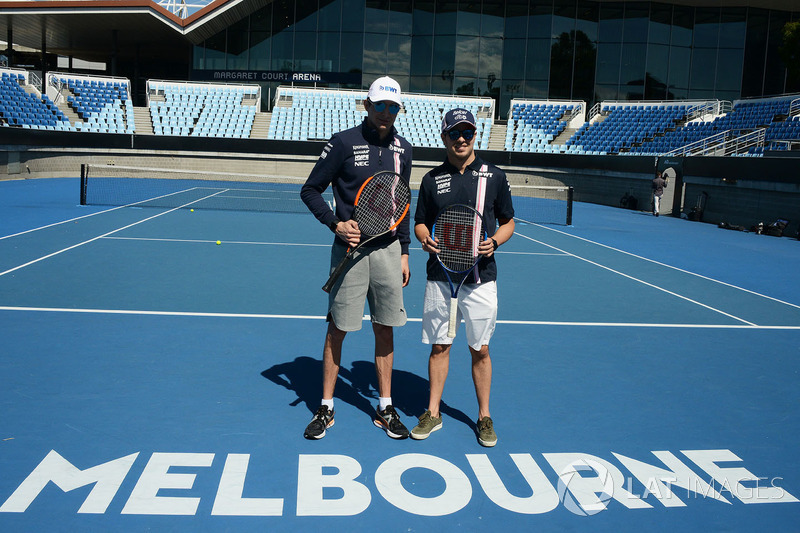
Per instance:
{"type": "Point", "coordinates": [79, 103]}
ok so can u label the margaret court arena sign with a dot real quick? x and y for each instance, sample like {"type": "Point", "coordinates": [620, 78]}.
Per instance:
{"type": "Point", "coordinates": [336, 485]}
{"type": "Point", "coordinates": [279, 76]}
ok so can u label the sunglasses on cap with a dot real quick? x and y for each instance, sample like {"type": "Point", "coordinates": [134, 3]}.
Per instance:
{"type": "Point", "coordinates": [468, 134]}
{"type": "Point", "coordinates": [381, 106]}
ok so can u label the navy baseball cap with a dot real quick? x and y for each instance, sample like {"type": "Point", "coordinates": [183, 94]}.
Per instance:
{"type": "Point", "coordinates": [454, 117]}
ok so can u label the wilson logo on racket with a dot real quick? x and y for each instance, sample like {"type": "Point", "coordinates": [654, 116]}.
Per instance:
{"type": "Point", "coordinates": [457, 237]}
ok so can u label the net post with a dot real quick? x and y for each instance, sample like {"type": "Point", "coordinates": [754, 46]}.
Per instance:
{"type": "Point", "coordinates": [84, 172]}
{"type": "Point", "coordinates": [570, 192]}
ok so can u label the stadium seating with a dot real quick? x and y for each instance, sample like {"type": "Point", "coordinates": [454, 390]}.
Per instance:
{"type": "Point", "coordinates": [22, 106]}
{"type": "Point", "coordinates": [202, 110]}
{"type": "Point", "coordinates": [302, 114]}
{"type": "Point", "coordinates": [102, 105]}
{"type": "Point", "coordinates": [532, 126]}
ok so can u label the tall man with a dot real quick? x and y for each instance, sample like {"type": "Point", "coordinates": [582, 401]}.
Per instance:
{"type": "Point", "coordinates": [462, 179]}
{"type": "Point", "coordinates": [378, 271]}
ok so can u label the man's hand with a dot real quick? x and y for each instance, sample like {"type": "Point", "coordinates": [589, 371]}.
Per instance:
{"type": "Point", "coordinates": [348, 231]}
{"type": "Point", "coordinates": [405, 268]}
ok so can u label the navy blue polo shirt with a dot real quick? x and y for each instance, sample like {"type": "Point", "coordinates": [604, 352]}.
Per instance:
{"type": "Point", "coordinates": [347, 160]}
{"type": "Point", "coordinates": [444, 186]}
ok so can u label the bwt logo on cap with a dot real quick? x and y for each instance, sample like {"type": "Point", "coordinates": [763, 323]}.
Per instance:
{"type": "Point", "coordinates": [388, 88]}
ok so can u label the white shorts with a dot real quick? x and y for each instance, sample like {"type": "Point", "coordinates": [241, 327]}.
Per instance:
{"type": "Point", "coordinates": [477, 305]}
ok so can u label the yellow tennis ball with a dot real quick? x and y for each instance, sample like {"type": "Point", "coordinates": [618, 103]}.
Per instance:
{"type": "Point", "coordinates": [219, 242]}
{"type": "Point", "coordinates": [192, 210]}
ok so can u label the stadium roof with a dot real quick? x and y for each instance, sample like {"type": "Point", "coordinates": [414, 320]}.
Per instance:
{"type": "Point", "coordinates": [91, 29]}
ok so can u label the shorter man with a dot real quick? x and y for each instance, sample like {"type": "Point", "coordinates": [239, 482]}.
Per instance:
{"type": "Point", "coordinates": [462, 179]}
{"type": "Point", "coordinates": [659, 184]}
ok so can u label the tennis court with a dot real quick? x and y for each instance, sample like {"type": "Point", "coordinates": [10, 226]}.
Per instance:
{"type": "Point", "coordinates": [646, 375]}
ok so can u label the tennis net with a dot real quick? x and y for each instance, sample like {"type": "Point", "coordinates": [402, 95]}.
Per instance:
{"type": "Point", "coordinates": [170, 188]}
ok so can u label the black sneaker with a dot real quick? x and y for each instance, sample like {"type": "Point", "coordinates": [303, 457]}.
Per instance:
{"type": "Point", "coordinates": [323, 419]}
{"type": "Point", "coordinates": [389, 421]}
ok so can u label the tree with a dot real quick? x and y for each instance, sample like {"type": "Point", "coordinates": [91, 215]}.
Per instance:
{"type": "Point", "coordinates": [790, 54]}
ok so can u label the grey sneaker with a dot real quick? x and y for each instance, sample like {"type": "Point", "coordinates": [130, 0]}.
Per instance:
{"type": "Point", "coordinates": [323, 419]}
{"type": "Point", "coordinates": [389, 421]}
{"type": "Point", "coordinates": [486, 434]}
{"type": "Point", "coordinates": [427, 425]}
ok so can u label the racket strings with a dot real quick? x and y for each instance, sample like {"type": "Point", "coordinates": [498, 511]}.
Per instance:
{"type": "Point", "coordinates": [458, 237]}
{"type": "Point", "coordinates": [381, 204]}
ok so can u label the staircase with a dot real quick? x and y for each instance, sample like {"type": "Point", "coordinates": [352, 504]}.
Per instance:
{"type": "Point", "coordinates": [260, 128]}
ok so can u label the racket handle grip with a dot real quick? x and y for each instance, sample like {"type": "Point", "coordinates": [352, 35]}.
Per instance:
{"type": "Point", "coordinates": [451, 330]}
{"type": "Point", "coordinates": [336, 273]}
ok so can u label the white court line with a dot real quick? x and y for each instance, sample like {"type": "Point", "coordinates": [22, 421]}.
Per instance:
{"type": "Point", "coordinates": [321, 317]}
{"type": "Point", "coordinates": [640, 281]}
{"type": "Point", "coordinates": [93, 214]}
{"type": "Point", "coordinates": [796, 306]}
{"type": "Point", "coordinates": [258, 243]}
{"type": "Point", "coordinates": [104, 235]}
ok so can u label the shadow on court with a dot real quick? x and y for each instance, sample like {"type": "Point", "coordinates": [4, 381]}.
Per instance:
{"type": "Point", "coordinates": [357, 386]}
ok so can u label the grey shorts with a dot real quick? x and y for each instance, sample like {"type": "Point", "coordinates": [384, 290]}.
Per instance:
{"type": "Point", "coordinates": [374, 274]}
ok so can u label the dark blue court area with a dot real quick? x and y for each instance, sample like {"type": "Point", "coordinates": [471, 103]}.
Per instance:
{"type": "Point", "coordinates": [646, 377]}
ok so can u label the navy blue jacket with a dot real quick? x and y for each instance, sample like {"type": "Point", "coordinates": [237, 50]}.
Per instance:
{"type": "Point", "coordinates": [350, 157]}
{"type": "Point", "coordinates": [444, 186]}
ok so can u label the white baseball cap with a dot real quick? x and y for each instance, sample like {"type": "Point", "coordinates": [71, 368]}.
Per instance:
{"type": "Point", "coordinates": [385, 88]}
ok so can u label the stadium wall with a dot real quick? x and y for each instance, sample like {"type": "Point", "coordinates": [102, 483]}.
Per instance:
{"type": "Point", "coordinates": [740, 191]}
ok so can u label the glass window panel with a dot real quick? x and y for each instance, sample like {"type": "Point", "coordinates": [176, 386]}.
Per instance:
{"type": "Point", "coordinates": [606, 92]}
{"type": "Point", "coordinates": [330, 15]}
{"type": "Point", "coordinates": [610, 26]}
{"type": "Point", "coordinates": [351, 52]}
{"type": "Point", "coordinates": [400, 17]}
{"type": "Point", "coordinates": [514, 58]}
{"type": "Point", "coordinates": [633, 65]}
{"type": "Point", "coordinates": [399, 54]}
{"type": "Point", "coordinates": [706, 27]}
{"type": "Point", "coordinates": [537, 62]}
{"type": "Point", "coordinates": [305, 50]}
{"type": "Point", "coordinates": [682, 24]}
{"type": "Point", "coordinates": [491, 58]}
{"type": "Point", "coordinates": [775, 74]}
{"type": "Point", "coordinates": [511, 89]}
{"type": "Point", "coordinates": [561, 55]}
{"type": "Point", "coordinates": [423, 17]}
{"type": "Point", "coordinates": [421, 55]}
{"type": "Point", "coordinates": [465, 86]}
{"type": "Point", "coordinates": [198, 57]}
{"type": "Point", "coordinates": [469, 17]}
{"type": "Point", "coordinates": [353, 15]}
{"type": "Point", "coordinates": [729, 69]}
{"type": "Point", "coordinates": [419, 84]}
{"type": "Point", "coordinates": [563, 18]}
{"type": "Point", "coordinates": [701, 94]}
{"type": "Point", "coordinates": [704, 67]}
{"type": "Point", "coordinates": [444, 58]}
{"type": "Point", "coordinates": [588, 13]}
{"type": "Point", "coordinates": [237, 47]}
{"type": "Point", "coordinates": [443, 83]}
{"type": "Point", "coordinates": [516, 23]}
{"type": "Point", "coordinates": [585, 63]}
{"type": "Point", "coordinates": [657, 72]}
{"type": "Point", "coordinates": [259, 50]}
{"type": "Point", "coordinates": [282, 51]}
{"type": "Point", "coordinates": [755, 51]}
{"type": "Point", "coordinates": [376, 16]}
{"type": "Point", "coordinates": [489, 86]}
{"type": "Point", "coordinates": [328, 52]}
{"type": "Point", "coordinates": [215, 52]}
{"type": "Point", "coordinates": [733, 27]}
{"type": "Point", "coordinates": [660, 22]}
{"type": "Point", "coordinates": [306, 14]}
{"type": "Point", "coordinates": [608, 61]}
{"type": "Point", "coordinates": [376, 46]}
{"type": "Point", "coordinates": [467, 50]}
{"type": "Point", "coordinates": [679, 61]}
{"type": "Point", "coordinates": [540, 23]}
{"type": "Point", "coordinates": [536, 89]}
{"type": "Point", "coordinates": [492, 22]}
{"type": "Point", "coordinates": [446, 11]}
{"type": "Point", "coordinates": [637, 19]}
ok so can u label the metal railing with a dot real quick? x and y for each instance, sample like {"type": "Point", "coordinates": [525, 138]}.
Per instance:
{"type": "Point", "coordinates": [721, 144]}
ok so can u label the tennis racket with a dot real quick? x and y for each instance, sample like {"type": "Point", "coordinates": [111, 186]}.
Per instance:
{"type": "Point", "coordinates": [459, 229]}
{"type": "Point", "coordinates": [381, 204]}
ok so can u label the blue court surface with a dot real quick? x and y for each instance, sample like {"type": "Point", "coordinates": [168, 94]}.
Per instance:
{"type": "Point", "coordinates": [645, 377]}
